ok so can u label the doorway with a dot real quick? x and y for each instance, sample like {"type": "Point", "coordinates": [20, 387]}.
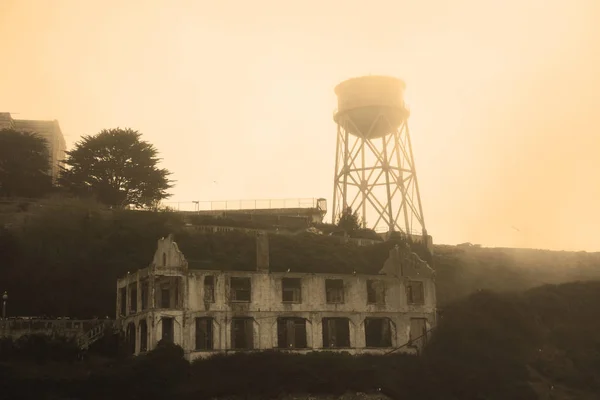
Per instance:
{"type": "Point", "coordinates": [167, 330]}
{"type": "Point", "coordinates": [418, 332]}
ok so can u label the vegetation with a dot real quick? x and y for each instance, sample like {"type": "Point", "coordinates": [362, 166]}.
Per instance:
{"type": "Point", "coordinates": [117, 168]}
{"type": "Point", "coordinates": [62, 257]}
{"type": "Point", "coordinates": [24, 165]}
{"type": "Point", "coordinates": [349, 221]}
{"type": "Point", "coordinates": [38, 348]}
{"type": "Point", "coordinates": [540, 343]}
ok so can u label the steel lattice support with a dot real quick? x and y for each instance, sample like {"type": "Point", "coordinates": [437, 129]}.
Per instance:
{"type": "Point", "coordinates": [377, 177]}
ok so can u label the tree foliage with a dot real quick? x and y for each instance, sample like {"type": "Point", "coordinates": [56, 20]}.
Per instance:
{"type": "Point", "coordinates": [117, 168]}
{"type": "Point", "coordinates": [24, 164]}
{"type": "Point", "coordinates": [349, 221]}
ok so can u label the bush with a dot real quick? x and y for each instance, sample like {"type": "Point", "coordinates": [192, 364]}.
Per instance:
{"type": "Point", "coordinates": [366, 234]}
{"type": "Point", "coordinates": [38, 348]}
{"type": "Point", "coordinates": [269, 374]}
{"type": "Point", "coordinates": [151, 376]}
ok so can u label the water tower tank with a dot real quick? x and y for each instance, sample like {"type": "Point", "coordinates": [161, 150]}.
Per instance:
{"type": "Point", "coordinates": [374, 167]}
{"type": "Point", "coordinates": [362, 100]}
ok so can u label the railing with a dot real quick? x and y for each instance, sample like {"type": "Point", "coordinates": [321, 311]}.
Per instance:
{"type": "Point", "coordinates": [223, 229]}
{"type": "Point", "coordinates": [380, 228]}
{"type": "Point", "coordinates": [42, 324]}
{"type": "Point", "coordinates": [197, 205]}
{"type": "Point", "coordinates": [97, 332]}
{"type": "Point", "coordinates": [84, 331]}
{"type": "Point", "coordinates": [258, 204]}
{"type": "Point", "coordinates": [411, 342]}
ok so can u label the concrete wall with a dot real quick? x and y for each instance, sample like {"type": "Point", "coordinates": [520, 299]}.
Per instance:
{"type": "Point", "coordinates": [266, 306]}
{"type": "Point", "coordinates": [16, 328]}
{"type": "Point", "coordinates": [49, 130]}
{"type": "Point", "coordinates": [267, 293]}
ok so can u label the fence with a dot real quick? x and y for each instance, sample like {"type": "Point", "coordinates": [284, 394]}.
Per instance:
{"type": "Point", "coordinates": [257, 204]}
{"type": "Point", "coordinates": [22, 326]}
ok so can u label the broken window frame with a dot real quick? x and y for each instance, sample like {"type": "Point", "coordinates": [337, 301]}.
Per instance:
{"type": "Point", "coordinates": [418, 339]}
{"type": "Point", "coordinates": [385, 339]}
{"type": "Point", "coordinates": [291, 333]}
{"type": "Point", "coordinates": [334, 291]}
{"type": "Point", "coordinates": [209, 289]}
{"type": "Point", "coordinates": [133, 299]}
{"type": "Point", "coordinates": [410, 293]}
{"type": "Point", "coordinates": [131, 336]}
{"type": "Point", "coordinates": [208, 334]}
{"type": "Point", "coordinates": [293, 286]}
{"type": "Point", "coordinates": [376, 289]}
{"type": "Point", "coordinates": [145, 293]}
{"type": "Point", "coordinates": [247, 325]}
{"type": "Point", "coordinates": [165, 301]}
{"type": "Point", "coordinates": [336, 333]}
{"type": "Point", "coordinates": [123, 296]}
{"type": "Point", "coordinates": [236, 294]}
{"type": "Point", "coordinates": [171, 337]}
{"type": "Point", "coordinates": [143, 327]}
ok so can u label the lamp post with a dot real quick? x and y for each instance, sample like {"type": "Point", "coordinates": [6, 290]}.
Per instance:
{"type": "Point", "coordinates": [4, 299]}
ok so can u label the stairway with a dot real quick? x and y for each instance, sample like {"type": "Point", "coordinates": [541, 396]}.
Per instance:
{"type": "Point", "coordinates": [85, 340]}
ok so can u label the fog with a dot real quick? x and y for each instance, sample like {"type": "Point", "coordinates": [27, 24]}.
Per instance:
{"type": "Point", "coordinates": [502, 98]}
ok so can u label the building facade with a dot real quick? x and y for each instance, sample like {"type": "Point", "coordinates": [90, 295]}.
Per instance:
{"type": "Point", "coordinates": [216, 311]}
{"type": "Point", "coordinates": [49, 130]}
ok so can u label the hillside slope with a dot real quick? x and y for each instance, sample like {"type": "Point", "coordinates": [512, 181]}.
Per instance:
{"type": "Point", "coordinates": [63, 258]}
{"type": "Point", "coordinates": [463, 271]}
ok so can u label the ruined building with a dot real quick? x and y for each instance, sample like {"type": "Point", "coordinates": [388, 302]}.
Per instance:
{"type": "Point", "coordinates": [49, 130]}
{"type": "Point", "coordinates": [218, 311]}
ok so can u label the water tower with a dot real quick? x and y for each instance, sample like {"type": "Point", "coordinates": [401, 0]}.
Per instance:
{"type": "Point", "coordinates": [374, 167]}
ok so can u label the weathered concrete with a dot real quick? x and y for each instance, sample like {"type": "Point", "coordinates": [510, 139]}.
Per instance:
{"type": "Point", "coordinates": [168, 275]}
{"type": "Point", "coordinates": [49, 130]}
{"type": "Point", "coordinates": [69, 328]}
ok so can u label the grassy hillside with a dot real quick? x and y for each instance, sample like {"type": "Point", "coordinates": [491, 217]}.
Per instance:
{"type": "Point", "coordinates": [63, 257]}
{"type": "Point", "coordinates": [464, 271]}
{"type": "Point", "coordinates": [536, 344]}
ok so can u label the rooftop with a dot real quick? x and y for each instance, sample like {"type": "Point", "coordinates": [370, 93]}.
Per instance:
{"type": "Point", "coordinates": [300, 253]}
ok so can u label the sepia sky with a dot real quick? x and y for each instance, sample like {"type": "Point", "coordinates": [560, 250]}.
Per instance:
{"type": "Point", "coordinates": [504, 98]}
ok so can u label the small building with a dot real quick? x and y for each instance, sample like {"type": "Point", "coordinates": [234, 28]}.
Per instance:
{"type": "Point", "coordinates": [49, 130]}
{"type": "Point", "coordinates": [226, 311]}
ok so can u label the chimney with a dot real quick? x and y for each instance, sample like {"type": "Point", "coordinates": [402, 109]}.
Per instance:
{"type": "Point", "coordinates": [262, 252]}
